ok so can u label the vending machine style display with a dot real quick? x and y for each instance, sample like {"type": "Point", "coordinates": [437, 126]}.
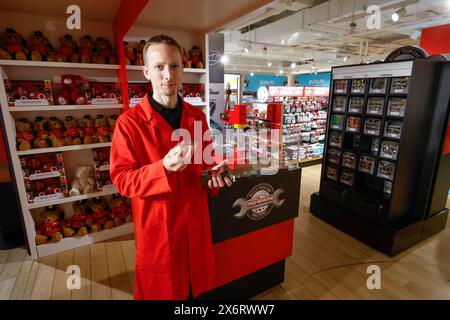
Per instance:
{"type": "Point", "coordinates": [386, 173]}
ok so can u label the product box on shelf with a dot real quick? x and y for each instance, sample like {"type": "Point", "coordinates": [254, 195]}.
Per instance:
{"type": "Point", "coordinates": [101, 166]}
{"type": "Point", "coordinates": [137, 91]}
{"type": "Point", "coordinates": [104, 93]}
{"type": "Point", "coordinates": [44, 177]}
{"type": "Point", "coordinates": [193, 92]}
{"type": "Point", "coordinates": [29, 93]}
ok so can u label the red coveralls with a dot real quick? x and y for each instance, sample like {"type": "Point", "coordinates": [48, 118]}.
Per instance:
{"type": "Point", "coordinates": [170, 210]}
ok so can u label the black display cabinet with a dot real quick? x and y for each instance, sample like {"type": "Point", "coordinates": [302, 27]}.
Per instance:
{"type": "Point", "coordinates": [386, 174]}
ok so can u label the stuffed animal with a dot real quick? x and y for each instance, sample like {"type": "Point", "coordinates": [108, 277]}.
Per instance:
{"type": "Point", "coordinates": [78, 224]}
{"type": "Point", "coordinates": [120, 210]}
{"type": "Point", "coordinates": [83, 182]}
{"type": "Point", "coordinates": [51, 227]}
{"type": "Point", "coordinates": [104, 52]}
{"type": "Point", "coordinates": [88, 133]}
{"type": "Point", "coordinates": [86, 49]}
{"type": "Point", "coordinates": [72, 131]}
{"type": "Point", "coordinates": [139, 51]}
{"type": "Point", "coordinates": [56, 134]}
{"type": "Point", "coordinates": [112, 120]}
{"type": "Point", "coordinates": [40, 47]}
{"type": "Point", "coordinates": [24, 134]}
{"type": "Point", "coordinates": [71, 91]}
{"type": "Point", "coordinates": [100, 214]}
{"type": "Point", "coordinates": [101, 128]}
{"type": "Point", "coordinates": [14, 44]}
{"type": "Point", "coordinates": [196, 57]}
{"type": "Point", "coordinates": [41, 128]}
{"type": "Point", "coordinates": [130, 57]}
{"type": "Point", "coordinates": [185, 59]}
{"type": "Point", "coordinates": [67, 51]}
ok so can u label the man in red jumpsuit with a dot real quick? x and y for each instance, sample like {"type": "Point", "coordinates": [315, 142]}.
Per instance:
{"type": "Point", "coordinates": [174, 253]}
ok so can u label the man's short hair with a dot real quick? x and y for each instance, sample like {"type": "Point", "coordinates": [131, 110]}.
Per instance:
{"type": "Point", "coordinates": [161, 38]}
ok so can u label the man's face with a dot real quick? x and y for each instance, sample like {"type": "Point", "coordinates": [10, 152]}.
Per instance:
{"type": "Point", "coordinates": [164, 69]}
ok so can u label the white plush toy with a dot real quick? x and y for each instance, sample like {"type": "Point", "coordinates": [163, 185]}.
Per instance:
{"type": "Point", "coordinates": [84, 181]}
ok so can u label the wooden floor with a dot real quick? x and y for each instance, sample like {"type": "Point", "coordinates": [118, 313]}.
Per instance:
{"type": "Point", "coordinates": [325, 264]}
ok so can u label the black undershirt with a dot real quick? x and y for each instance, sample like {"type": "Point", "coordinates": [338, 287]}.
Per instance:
{"type": "Point", "coordinates": [172, 116]}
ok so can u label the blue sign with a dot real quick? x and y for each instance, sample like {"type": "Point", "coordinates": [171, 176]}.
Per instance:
{"type": "Point", "coordinates": [314, 80]}
{"type": "Point", "coordinates": [252, 83]}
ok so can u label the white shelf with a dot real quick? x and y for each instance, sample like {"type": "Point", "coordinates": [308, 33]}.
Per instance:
{"type": "Point", "coordinates": [46, 64]}
{"type": "Point", "coordinates": [72, 199]}
{"type": "Point", "coordinates": [75, 242]}
{"type": "Point", "coordinates": [65, 148]}
{"type": "Point", "coordinates": [186, 70]}
{"type": "Point", "coordinates": [198, 104]}
{"type": "Point", "coordinates": [66, 107]}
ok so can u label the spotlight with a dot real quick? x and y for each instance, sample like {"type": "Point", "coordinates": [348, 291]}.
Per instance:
{"type": "Point", "coordinates": [293, 65]}
{"type": "Point", "coordinates": [246, 50]}
{"type": "Point", "coordinates": [264, 49]}
{"type": "Point", "coordinates": [224, 59]}
{"type": "Point", "coordinates": [282, 42]}
{"type": "Point", "coordinates": [281, 71]}
{"type": "Point", "coordinates": [269, 63]}
{"type": "Point", "coordinates": [252, 74]}
{"type": "Point", "coordinates": [345, 58]}
{"type": "Point", "coordinates": [352, 27]}
{"type": "Point", "coordinates": [395, 17]}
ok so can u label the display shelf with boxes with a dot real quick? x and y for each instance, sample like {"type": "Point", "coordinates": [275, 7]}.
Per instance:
{"type": "Point", "coordinates": [57, 110]}
{"type": "Point", "coordinates": [377, 149]}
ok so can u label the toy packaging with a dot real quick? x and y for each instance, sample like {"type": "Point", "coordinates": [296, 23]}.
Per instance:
{"type": "Point", "coordinates": [44, 177]}
{"type": "Point", "coordinates": [104, 93]}
{"type": "Point", "coordinates": [101, 166]}
{"type": "Point", "coordinates": [29, 93]}
{"type": "Point", "coordinates": [193, 92]}
{"type": "Point", "coordinates": [137, 91]}
{"type": "Point", "coordinates": [72, 92]}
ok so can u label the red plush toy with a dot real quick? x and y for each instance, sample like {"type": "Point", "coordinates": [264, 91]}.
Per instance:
{"type": "Point", "coordinates": [100, 215]}
{"type": "Point", "coordinates": [120, 210]}
{"type": "Point", "coordinates": [86, 49]}
{"type": "Point", "coordinates": [51, 227]}
{"type": "Point", "coordinates": [104, 52]}
{"type": "Point", "coordinates": [71, 91]}
{"type": "Point", "coordinates": [14, 44]}
{"type": "Point", "coordinates": [68, 50]}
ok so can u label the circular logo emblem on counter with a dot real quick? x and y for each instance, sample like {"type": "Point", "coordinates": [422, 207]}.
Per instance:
{"type": "Point", "coordinates": [263, 94]}
{"type": "Point", "coordinates": [259, 202]}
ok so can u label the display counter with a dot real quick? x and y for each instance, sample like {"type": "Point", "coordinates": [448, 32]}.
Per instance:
{"type": "Point", "coordinates": [252, 229]}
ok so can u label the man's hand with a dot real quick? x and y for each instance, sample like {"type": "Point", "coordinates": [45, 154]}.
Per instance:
{"type": "Point", "coordinates": [178, 158]}
{"type": "Point", "coordinates": [217, 180]}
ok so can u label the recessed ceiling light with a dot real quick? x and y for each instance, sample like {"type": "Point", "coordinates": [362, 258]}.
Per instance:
{"type": "Point", "coordinates": [224, 59]}
{"type": "Point", "coordinates": [395, 17]}
{"type": "Point", "coordinates": [345, 58]}
{"type": "Point", "coordinates": [269, 63]}
{"type": "Point", "coordinates": [293, 65]}
{"type": "Point", "coordinates": [281, 71]}
{"type": "Point", "coordinates": [282, 42]}
{"type": "Point", "coordinates": [252, 74]}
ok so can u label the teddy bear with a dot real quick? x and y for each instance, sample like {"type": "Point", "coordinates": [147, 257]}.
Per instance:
{"type": "Point", "coordinates": [83, 182]}
{"type": "Point", "coordinates": [139, 51]}
{"type": "Point", "coordinates": [196, 57]}
{"type": "Point", "coordinates": [88, 130]}
{"type": "Point", "coordinates": [40, 47]}
{"type": "Point", "coordinates": [185, 59]}
{"type": "Point", "coordinates": [67, 51]}
{"type": "Point", "coordinates": [72, 131]}
{"type": "Point", "coordinates": [112, 120]}
{"type": "Point", "coordinates": [120, 210]}
{"type": "Point", "coordinates": [86, 49]}
{"type": "Point", "coordinates": [14, 44]}
{"type": "Point", "coordinates": [51, 227]}
{"type": "Point", "coordinates": [41, 128]}
{"type": "Point", "coordinates": [24, 134]}
{"type": "Point", "coordinates": [104, 52]}
{"type": "Point", "coordinates": [100, 215]}
{"type": "Point", "coordinates": [56, 134]}
{"type": "Point", "coordinates": [101, 128]}
{"type": "Point", "coordinates": [130, 57]}
{"type": "Point", "coordinates": [78, 224]}
{"type": "Point", "coordinates": [71, 91]}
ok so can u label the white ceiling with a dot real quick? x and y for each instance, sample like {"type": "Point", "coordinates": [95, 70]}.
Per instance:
{"type": "Point", "coordinates": [320, 36]}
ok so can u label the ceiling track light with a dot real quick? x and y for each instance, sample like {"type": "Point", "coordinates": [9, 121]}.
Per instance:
{"type": "Point", "coordinates": [399, 14]}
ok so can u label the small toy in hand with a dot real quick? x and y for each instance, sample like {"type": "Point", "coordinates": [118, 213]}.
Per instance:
{"type": "Point", "coordinates": [71, 91]}
{"type": "Point", "coordinates": [51, 227]}
{"type": "Point", "coordinates": [100, 215]}
{"type": "Point", "coordinates": [72, 131]}
{"type": "Point", "coordinates": [120, 210]}
{"type": "Point", "coordinates": [83, 182]}
{"type": "Point", "coordinates": [101, 128]}
{"type": "Point", "coordinates": [88, 130]}
{"type": "Point", "coordinates": [14, 44]}
{"type": "Point", "coordinates": [67, 51]}
{"type": "Point", "coordinates": [78, 224]}
{"type": "Point", "coordinates": [24, 134]}
{"type": "Point", "coordinates": [41, 128]}
{"type": "Point", "coordinates": [56, 132]}
{"type": "Point", "coordinates": [40, 48]}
